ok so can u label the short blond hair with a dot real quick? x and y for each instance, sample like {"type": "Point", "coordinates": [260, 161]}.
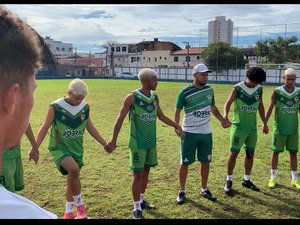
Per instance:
{"type": "Point", "coordinates": [78, 87]}
{"type": "Point", "coordinates": [290, 72]}
{"type": "Point", "coordinates": [146, 74]}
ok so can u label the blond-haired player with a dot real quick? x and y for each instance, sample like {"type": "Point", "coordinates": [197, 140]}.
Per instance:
{"type": "Point", "coordinates": [68, 117]}
{"type": "Point", "coordinates": [285, 98]}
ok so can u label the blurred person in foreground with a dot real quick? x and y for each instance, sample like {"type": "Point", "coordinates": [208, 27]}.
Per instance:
{"type": "Point", "coordinates": [20, 56]}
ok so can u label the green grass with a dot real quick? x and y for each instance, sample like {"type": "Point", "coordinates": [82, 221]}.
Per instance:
{"type": "Point", "coordinates": [106, 178]}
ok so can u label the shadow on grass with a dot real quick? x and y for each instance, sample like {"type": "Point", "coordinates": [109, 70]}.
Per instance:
{"type": "Point", "coordinates": [288, 207]}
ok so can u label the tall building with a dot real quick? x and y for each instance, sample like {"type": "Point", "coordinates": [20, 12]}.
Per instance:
{"type": "Point", "coordinates": [220, 29]}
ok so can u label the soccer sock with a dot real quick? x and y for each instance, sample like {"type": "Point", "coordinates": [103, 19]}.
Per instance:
{"type": "Point", "coordinates": [246, 177]}
{"type": "Point", "coordinates": [273, 173]}
{"type": "Point", "coordinates": [294, 175]}
{"type": "Point", "coordinates": [78, 200]}
{"type": "Point", "coordinates": [229, 177]}
{"type": "Point", "coordinates": [137, 205]}
{"type": "Point", "coordinates": [181, 190]}
{"type": "Point", "coordinates": [141, 197]}
{"type": "Point", "coordinates": [202, 190]}
{"type": "Point", "coordinates": [69, 207]}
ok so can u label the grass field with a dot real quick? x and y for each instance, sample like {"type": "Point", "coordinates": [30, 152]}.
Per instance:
{"type": "Point", "coordinates": [106, 178]}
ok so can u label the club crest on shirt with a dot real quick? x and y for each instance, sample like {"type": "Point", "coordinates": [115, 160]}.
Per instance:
{"type": "Point", "coordinates": [155, 103]}
{"type": "Point", "coordinates": [256, 97]}
{"type": "Point", "coordinates": [296, 98]}
{"type": "Point", "coordinates": [149, 107]}
{"type": "Point", "coordinates": [209, 98]}
{"type": "Point", "coordinates": [82, 116]}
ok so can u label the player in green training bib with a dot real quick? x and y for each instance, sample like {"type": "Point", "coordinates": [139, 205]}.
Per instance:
{"type": "Point", "coordinates": [198, 101]}
{"type": "Point", "coordinates": [143, 107]}
{"type": "Point", "coordinates": [285, 130]}
{"type": "Point", "coordinates": [247, 98]}
{"type": "Point", "coordinates": [12, 174]}
{"type": "Point", "coordinates": [69, 117]}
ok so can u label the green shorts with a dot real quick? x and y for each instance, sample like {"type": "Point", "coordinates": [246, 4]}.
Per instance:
{"type": "Point", "coordinates": [192, 142]}
{"type": "Point", "coordinates": [281, 141]}
{"type": "Point", "coordinates": [237, 140]}
{"type": "Point", "coordinates": [58, 155]}
{"type": "Point", "coordinates": [139, 158]}
{"type": "Point", "coordinates": [12, 174]}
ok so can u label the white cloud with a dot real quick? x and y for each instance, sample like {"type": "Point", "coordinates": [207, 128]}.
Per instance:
{"type": "Point", "coordinates": [86, 25]}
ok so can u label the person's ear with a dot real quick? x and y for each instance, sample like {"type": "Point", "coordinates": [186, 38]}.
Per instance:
{"type": "Point", "coordinates": [9, 98]}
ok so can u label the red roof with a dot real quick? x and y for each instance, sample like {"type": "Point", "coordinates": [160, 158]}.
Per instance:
{"type": "Point", "coordinates": [192, 51]}
{"type": "Point", "coordinates": [81, 61]}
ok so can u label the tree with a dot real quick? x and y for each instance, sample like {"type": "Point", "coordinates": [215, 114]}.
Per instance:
{"type": "Point", "coordinates": [220, 56]}
{"type": "Point", "coordinates": [278, 50]}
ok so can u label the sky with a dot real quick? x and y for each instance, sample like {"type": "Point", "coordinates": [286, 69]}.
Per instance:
{"type": "Point", "coordinates": [89, 26]}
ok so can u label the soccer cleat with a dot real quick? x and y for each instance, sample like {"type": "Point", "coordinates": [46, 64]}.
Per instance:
{"type": "Point", "coordinates": [208, 195]}
{"type": "Point", "coordinates": [69, 215]}
{"type": "Point", "coordinates": [272, 183]}
{"type": "Point", "coordinates": [137, 214]}
{"type": "Point", "coordinates": [296, 183]}
{"type": "Point", "coordinates": [81, 212]}
{"type": "Point", "coordinates": [228, 187]}
{"type": "Point", "coordinates": [147, 205]}
{"type": "Point", "coordinates": [250, 185]}
{"type": "Point", "coordinates": [180, 197]}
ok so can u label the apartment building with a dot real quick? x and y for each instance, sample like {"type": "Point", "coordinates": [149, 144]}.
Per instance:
{"type": "Point", "coordinates": [59, 48]}
{"type": "Point", "coordinates": [220, 29]}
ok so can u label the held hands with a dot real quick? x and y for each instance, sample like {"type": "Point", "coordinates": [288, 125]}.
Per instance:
{"type": "Point", "coordinates": [179, 132]}
{"type": "Point", "coordinates": [265, 129]}
{"type": "Point", "coordinates": [34, 155]}
{"type": "Point", "coordinates": [225, 123]}
{"type": "Point", "coordinates": [110, 147]}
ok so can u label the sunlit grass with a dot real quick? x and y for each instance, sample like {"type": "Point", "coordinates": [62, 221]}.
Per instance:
{"type": "Point", "coordinates": [106, 177]}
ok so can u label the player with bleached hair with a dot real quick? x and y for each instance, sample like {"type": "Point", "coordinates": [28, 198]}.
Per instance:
{"type": "Point", "coordinates": [68, 117]}
{"type": "Point", "coordinates": [285, 99]}
{"type": "Point", "coordinates": [144, 108]}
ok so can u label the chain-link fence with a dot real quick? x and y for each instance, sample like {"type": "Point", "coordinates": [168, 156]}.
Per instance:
{"type": "Point", "coordinates": [274, 73]}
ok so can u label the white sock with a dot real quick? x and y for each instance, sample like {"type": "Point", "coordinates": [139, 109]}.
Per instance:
{"type": "Point", "coordinates": [141, 197]}
{"type": "Point", "coordinates": [181, 190]}
{"type": "Point", "coordinates": [246, 177]}
{"type": "Point", "coordinates": [78, 200]}
{"type": "Point", "coordinates": [137, 205]}
{"type": "Point", "coordinates": [202, 190]}
{"type": "Point", "coordinates": [229, 177]}
{"type": "Point", "coordinates": [294, 175]}
{"type": "Point", "coordinates": [273, 173]}
{"type": "Point", "coordinates": [69, 207]}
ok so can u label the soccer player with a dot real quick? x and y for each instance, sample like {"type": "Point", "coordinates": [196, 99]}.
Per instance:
{"type": "Point", "coordinates": [12, 167]}
{"type": "Point", "coordinates": [247, 98]}
{"type": "Point", "coordinates": [285, 98]}
{"type": "Point", "coordinates": [143, 106]}
{"type": "Point", "coordinates": [68, 117]}
{"type": "Point", "coordinates": [198, 102]}
{"type": "Point", "coordinates": [20, 56]}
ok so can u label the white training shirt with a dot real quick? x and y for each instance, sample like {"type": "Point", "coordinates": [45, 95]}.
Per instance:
{"type": "Point", "coordinates": [14, 206]}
